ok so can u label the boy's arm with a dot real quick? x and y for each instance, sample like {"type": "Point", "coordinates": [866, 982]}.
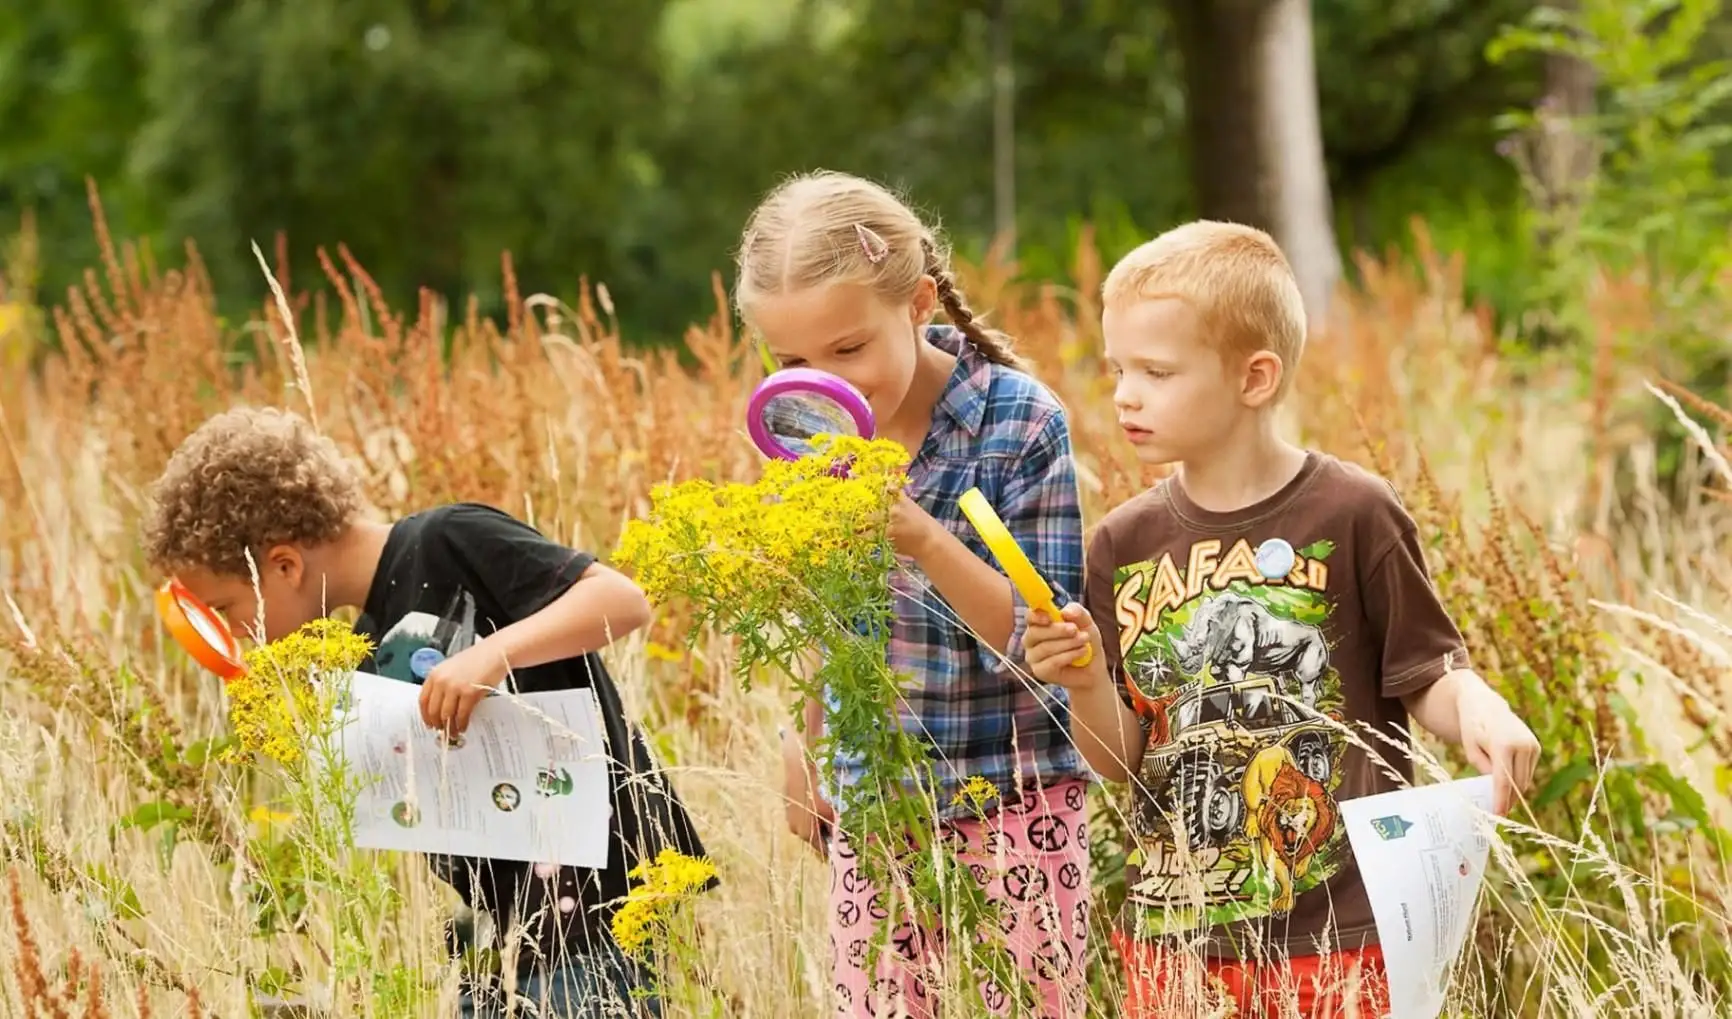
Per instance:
{"type": "Point", "coordinates": [1425, 666]}
{"type": "Point", "coordinates": [1462, 709]}
{"type": "Point", "coordinates": [565, 604]}
{"type": "Point", "coordinates": [1106, 717]}
{"type": "Point", "coordinates": [603, 606]}
{"type": "Point", "coordinates": [1108, 732]}
{"type": "Point", "coordinates": [1107, 729]}
{"type": "Point", "coordinates": [1440, 707]}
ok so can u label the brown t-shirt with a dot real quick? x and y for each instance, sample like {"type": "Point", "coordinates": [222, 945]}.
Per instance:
{"type": "Point", "coordinates": [1249, 642]}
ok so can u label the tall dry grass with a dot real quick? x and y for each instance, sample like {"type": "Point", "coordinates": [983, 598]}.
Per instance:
{"type": "Point", "coordinates": [1591, 596]}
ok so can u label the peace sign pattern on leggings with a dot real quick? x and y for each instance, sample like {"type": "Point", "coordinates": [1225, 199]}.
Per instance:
{"type": "Point", "coordinates": [1032, 857]}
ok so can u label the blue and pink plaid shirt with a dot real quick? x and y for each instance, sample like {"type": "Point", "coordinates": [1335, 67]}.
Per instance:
{"type": "Point", "coordinates": [1003, 431]}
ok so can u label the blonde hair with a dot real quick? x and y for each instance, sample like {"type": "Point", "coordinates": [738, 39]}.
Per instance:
{"type": "Point", "coordinates": [1234, 276]}
{"type": "Point", "coordinates": [246, 480]}
{"type": "Point", "coordinates": [828, 227]}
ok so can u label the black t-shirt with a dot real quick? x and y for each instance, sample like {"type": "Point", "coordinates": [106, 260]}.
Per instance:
{"type": "Point", "coordinates": [451, 575]}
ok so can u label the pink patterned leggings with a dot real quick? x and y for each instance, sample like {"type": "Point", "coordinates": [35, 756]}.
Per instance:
{"type": "Point", "coordinates": [1032, 856]}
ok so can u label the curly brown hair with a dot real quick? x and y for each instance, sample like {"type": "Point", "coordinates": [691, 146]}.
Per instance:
{"type": "Point", "coordinates": [248, 479]}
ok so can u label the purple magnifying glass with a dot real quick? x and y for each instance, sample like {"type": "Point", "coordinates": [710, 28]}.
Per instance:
{"type": "Point", "coordinates": [792, 407]}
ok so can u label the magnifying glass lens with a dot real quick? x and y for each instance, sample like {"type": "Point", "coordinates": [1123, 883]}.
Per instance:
{"type": "Point", "coordinates": [791, 408]}
{"type": "Point", "coordinates": [205, 624]}
{"type": "Point", "coordinates": [198, 630]}
{"type": "Point", "coordinates": [796, 419]}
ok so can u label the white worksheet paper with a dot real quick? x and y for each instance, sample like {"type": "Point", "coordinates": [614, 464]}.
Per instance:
{"type": "Point", "coordinates": [1422, 853]}
{"type": "Point", "coordinates": [527, 780]}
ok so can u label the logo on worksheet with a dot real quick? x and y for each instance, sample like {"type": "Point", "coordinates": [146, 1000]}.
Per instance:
{"type": "Point", "coordinates": [1392, 827]}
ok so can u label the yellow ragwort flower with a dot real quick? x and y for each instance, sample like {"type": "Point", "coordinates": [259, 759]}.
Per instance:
{"type": "Point", "coordinates": [321, 646]}
{"type": "Point", "coordinates": [658, 652]}
{"type": "Point", "coordinates": [667, 881]}
{"type": "Point", "coordinates": [733, 542]}
{"type": "Point", "coordinates": [264, 815]}
{"type": "Point", "coordinates": [271, 704]}
{"type": "Point", "coordinates": [976, 792]}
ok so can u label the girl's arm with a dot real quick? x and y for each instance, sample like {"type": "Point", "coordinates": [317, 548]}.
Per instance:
{"type": "Point", "coordinates": [809, 816]}
{"type": "Point", "coordinates": [1042, 510]}
{"type": "Point", "coordinates": [979, 594]}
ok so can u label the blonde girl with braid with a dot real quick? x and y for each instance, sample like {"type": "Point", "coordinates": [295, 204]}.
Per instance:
{"type": "Point", "coordinates": [839, 274]}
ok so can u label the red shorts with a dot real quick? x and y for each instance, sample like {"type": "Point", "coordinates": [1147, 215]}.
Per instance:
{"type": "Point", "coordinates": [1340, 985]}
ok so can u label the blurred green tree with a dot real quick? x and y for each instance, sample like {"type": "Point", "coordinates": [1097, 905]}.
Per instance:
{"type": "Point", "coordinates": [69, 104]}
{"type": "Point", "coordinates": [627, 141]}
{"type": "Point", "coordinates": [426, 135]}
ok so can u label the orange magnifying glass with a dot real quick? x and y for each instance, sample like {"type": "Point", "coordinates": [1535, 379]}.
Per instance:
{"type": "Point", "coordinates": [199, 630]}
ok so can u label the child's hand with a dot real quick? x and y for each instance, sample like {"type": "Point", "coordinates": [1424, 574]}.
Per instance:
{"type": "Point", "coordinates": [1499, 744]}
{"type": "Point", "coordinates": [807, 813]}
{"type": "Point", "coordinates": [911, 527]}
{"type": "Point", "coordinates": [457, 684]}
{"type": "Point", "coordinates": [1051, 646]}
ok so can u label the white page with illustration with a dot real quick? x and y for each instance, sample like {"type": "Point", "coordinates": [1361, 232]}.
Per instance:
{"type": "Point", "coordinates": [1422, 855]}
{"type": "Point", "coordinates": [528, 779]}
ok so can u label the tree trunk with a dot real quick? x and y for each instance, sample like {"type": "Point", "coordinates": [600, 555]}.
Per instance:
{"type": "Point", "coordinates": [1565, 155]}
{"type": "Point", "coordinates": [1255, 134]}
{"type": "Point", "coordinates": [1003, 129]}
{"type": "Point", "coordinates": [1569, 156]}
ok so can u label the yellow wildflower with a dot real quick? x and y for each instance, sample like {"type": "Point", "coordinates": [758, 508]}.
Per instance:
{"type": "Point", "coordinates": [264, 815]}
{"type": "Point", "coordinates": [733, 542]}
{"type": "Point", "coordinates": [272, 703]}
{"type": "Point", "coordinates": [321, 646]}
{"type": "Point", "coordinates": [976, 792]}
{"type": "Point", "coordinates": [667, 881]}
{"type": "Point", "coordinates": [17, 332]}
{"type": "Point", "coordinates": [658, 652]}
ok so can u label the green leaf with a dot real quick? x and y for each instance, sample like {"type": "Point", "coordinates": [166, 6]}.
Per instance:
{"type": "Point", "coordinates": [125, 901]}
{"type": "Point", "coordinates": [207, 749]}
{"type": "Point", "coordinates": [152, 814]}
{"type": "Point", "coordinates": [117, 892]}
{"type": "Point", "coordinates": [1517, 40]}
{"type": "Point", "coordinates": [1319, 549]}
{"type": "Point", "coordinates": [1686, 800]}
{"type": "Point", "coordinates": [1564, 780]}
{"type": "Point", "coordinates": [273, 980]}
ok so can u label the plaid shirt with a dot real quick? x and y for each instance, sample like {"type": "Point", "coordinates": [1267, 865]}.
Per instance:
{"type": "Point", "coordinates": [1004, 432]}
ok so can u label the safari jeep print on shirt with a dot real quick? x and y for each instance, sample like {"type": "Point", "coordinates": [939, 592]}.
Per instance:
{"type": "Point", "coordinates": [1228, 656]}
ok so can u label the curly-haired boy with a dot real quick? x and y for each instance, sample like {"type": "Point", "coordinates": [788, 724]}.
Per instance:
{"type": "Point", "coordinates": [258, 494]}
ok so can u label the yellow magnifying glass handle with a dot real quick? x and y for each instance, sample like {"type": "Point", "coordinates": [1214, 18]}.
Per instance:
{"type": "Point", "coordinates": [1033, 587]}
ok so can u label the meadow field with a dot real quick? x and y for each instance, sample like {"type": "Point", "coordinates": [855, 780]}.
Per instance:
{"type": "Point", "coordinates": [1583, 552]}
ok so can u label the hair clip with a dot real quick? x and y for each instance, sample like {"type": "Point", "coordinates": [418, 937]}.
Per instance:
{"type": "Point", "coordinates": [872, 244]}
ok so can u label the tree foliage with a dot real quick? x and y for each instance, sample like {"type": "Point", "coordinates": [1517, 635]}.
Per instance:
{"type": "Point", "coordinates": [626, 140]}
{"type": "Point", "coordinates": [426, 136]}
